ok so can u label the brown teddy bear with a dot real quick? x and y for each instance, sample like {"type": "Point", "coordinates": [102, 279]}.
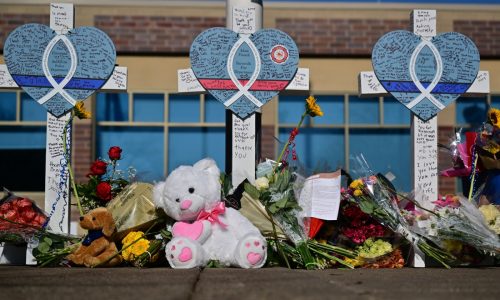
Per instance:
{"type": "Point", "coordinates": [97, 247]}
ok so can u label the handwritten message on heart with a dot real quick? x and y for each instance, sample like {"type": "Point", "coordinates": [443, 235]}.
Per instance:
{"type": "Point", "coordinates": [244, 72]}
{"type": "Point", "coordinates": [425, 75]}
{"type": "Point", "coordinates": [57, 70]}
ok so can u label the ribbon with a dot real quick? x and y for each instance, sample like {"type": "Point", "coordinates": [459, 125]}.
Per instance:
{"type": "Point", "coordinates": [59, 87]}
{"type": "Point", "coordinates": [426, 92]}
{"type": "Point", "coordinates": [243, 90]}
{"type": "Point", "coordinates": [213, 215]}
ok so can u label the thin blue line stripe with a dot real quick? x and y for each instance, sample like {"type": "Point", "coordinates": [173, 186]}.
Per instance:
{"type": "Point", "coordinates": [74, 83]}
{"type": "Point", "coordinates": [410, 87]}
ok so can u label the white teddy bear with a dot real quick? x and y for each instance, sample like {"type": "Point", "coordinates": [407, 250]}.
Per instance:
{"type": "Point", "coordinates": [206, 230]}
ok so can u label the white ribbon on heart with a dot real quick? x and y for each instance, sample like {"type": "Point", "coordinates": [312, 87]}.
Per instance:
{"type": "Point", "coordinates": [426, 92]}
{"type": "Point", "coordinates": [59, 87]}
{"type": "Point", "coordinates": [243, 90]}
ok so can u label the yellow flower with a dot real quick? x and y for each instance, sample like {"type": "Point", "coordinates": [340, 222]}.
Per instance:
{"type": "Point", "coordinates": [494, 116]}
{"type": "Point", "coordinates": [81, 112]}
{"type": "Point", "coordinates": [356, 184]}
{"type": "Point", "coordinates": [358, 193]}
{"type": "Point", "coordinates": [140, 247]}
{"type": "Point", "coordinates": [355, 262]}
{"type": "Point", "coordinates": [131, 237]}
{"type": "Point", "coordinates": [490, 212]}
{"type": "Point", "coordinates": [492, 147]}
{"type": "Point", "coordinates": [312, 108]}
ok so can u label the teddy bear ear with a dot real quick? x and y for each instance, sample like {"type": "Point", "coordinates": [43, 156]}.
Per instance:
{"type": "Point", "coordinates": [208, 165]}
{"type": "Point", "coordinates": [158, 193]}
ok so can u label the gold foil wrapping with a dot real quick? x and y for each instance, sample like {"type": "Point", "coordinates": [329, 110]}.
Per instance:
{"type": "Point", "coordinates": [133, 208]}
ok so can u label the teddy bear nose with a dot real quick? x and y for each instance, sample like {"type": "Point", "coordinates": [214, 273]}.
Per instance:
{"type": "Point", "coordinates": [81, 218]}
{"type": "Point", "coordinates": [185, 204]}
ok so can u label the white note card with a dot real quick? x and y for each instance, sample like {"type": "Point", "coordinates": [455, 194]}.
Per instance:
{"type": "Point", "coordinates": [326, 196]}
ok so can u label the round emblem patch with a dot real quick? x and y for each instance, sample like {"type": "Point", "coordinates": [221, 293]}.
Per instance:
{"type": "Point", "coordinates": [279, 54]}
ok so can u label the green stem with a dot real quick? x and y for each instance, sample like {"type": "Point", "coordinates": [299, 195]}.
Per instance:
{"type": "Point", "coordinates": [275, 235]}
{"type": "Point", "coordinates": [68, 159]}
{"type": "Point", "coordinates": [288, 143]}
{"type": "Point", "coordinates": [472, 180]}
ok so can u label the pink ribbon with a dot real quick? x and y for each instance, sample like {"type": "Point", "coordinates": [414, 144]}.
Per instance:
{"type": "Point", "coordinates": [213, 215]}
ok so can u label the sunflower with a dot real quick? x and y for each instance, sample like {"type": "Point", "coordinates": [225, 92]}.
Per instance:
{"type": "Point", "coordinates": [312, 108]}
{"type": "Point", "coordinates": [494, 116]}
{"type": "Point", "coordinates": [81, 112]}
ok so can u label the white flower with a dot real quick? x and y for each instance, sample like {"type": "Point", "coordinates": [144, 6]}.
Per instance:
{"type": "Point", "coordinates": [262, 183]}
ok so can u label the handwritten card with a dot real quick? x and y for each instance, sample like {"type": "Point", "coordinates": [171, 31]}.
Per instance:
{"type": "Point", "coordinates": [320, 196]}
{"type": "Point", "coordinates": [244, 19]}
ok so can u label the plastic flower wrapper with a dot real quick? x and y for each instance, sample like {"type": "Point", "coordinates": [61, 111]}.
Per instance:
{"type": "Point", "coordinates": [279, 197]}
{"type": "Point", "coordinates": [455, 218]}
{"type": "Point", "coordinates": [376, 197]}
{"type": "Point", "coordinates": [460, 153]}
{"type": "Point", "coordinates": [133, 208]}
{"type": "Point", "coordinates": [20, 218]}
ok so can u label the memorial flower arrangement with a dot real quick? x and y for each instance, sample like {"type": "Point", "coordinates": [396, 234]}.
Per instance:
{"type": "Point", "coordinates": [375, 197]}
{"type": "Point", "coordinates": [453, 218]}
{"type": "Point", "coordinates": [276, 189]}
{"type": "Point", "coordinates": [20, 218]}
{"type": "Point", "coordinates": [138, 250]}
{"type": "Point", "coordinates": [106, 180]}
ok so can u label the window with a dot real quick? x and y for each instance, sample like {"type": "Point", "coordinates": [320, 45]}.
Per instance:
{"type": "Point", "coordinates": [160, 131]}
{"type": "Point", "coordinates": [22, 142]}
{"type": "Point", "coordinates": [378, 128]}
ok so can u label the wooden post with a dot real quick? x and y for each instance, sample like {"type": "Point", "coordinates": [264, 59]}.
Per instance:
{"type": "Point", "coordinates": [242, 136]}
{"type": "Point", "coordinates": [424, 134]}
{"type": "Point", "coordinates": [57, 189]}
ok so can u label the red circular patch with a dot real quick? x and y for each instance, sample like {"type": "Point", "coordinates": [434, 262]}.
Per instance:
{"type": "Point", "coordinates": [279, 54]}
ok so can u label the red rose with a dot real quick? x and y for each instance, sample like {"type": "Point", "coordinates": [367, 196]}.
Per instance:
{"type": "Point", "coordinates": [24, 203]}
{"type": "Point", "coordinates": [28, 215]}
{"type": "Point", "coordinates": [115, 153]}
{"type": "Point", "coordinates": [103, 191]}
{"type": "Point", "coordinates": [99, 167]}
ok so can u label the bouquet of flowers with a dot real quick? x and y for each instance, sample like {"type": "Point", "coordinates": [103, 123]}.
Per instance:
{"type": "Point", "coordinates": [456, 219]}
{"type": "Point", "coordinates": [20, 218]}
{"type": "Point", "coordinates": [105, 182]}
{"type": "Point", "coordinates": [277, 188]}
{"type": "Point", "coordinates": [376, 197]}
{"type": "Point", "coordinates": [139, 251]}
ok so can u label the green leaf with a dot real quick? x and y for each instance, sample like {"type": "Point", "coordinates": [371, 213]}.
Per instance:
{"type": "Point", "coordinates": [366, 206]}
{"type": "Point", "coordinates": [252, 191]}
{"type": "Point", "coordinates": [48, 241]}
{"type": "Point", "coordinates": [43, 247]}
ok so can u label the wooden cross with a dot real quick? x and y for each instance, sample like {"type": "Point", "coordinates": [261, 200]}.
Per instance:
{"type": "Point", "coordinates": [424, 134]}
{"type": "Point", "coordinates": [57, 189]}
{"type": "Point", "coordinates": [244, 17]}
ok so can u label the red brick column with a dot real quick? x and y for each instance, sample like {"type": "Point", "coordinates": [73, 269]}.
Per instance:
{"type": "Point", "coordinates": [447, 185]}
{"type": "Point", "coordinates": [82, 149]}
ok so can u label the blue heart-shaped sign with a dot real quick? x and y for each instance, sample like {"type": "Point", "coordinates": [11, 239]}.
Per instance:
{"type": "Point", "coordinates": [244, 72]}
{"type": "Point", "coordinates": [425, 75]}
{"type": "Point", "coordinates": [57, 70]}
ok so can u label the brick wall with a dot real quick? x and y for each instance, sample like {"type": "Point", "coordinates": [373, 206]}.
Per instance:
{"type": "Point", "coordinates": [337, 37]}
{"type": "Point", "coordinates": [447, 185]}
{"type": "Point", "coordinates": [9, 22]}
{"type": "Point", "coordinates": [486, 35]}
{"type": "Point", "coordinates": [82, 149]}
{"type": "Point", "coordinates": [154, 34]}
{"type": "Point", "coordinates": [268, 142]}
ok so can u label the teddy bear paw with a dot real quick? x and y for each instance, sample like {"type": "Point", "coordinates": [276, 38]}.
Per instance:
{"type": "Point", "coordinates": [251, 252]}
{"type": "Point", "coordinates": [183, 253]}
